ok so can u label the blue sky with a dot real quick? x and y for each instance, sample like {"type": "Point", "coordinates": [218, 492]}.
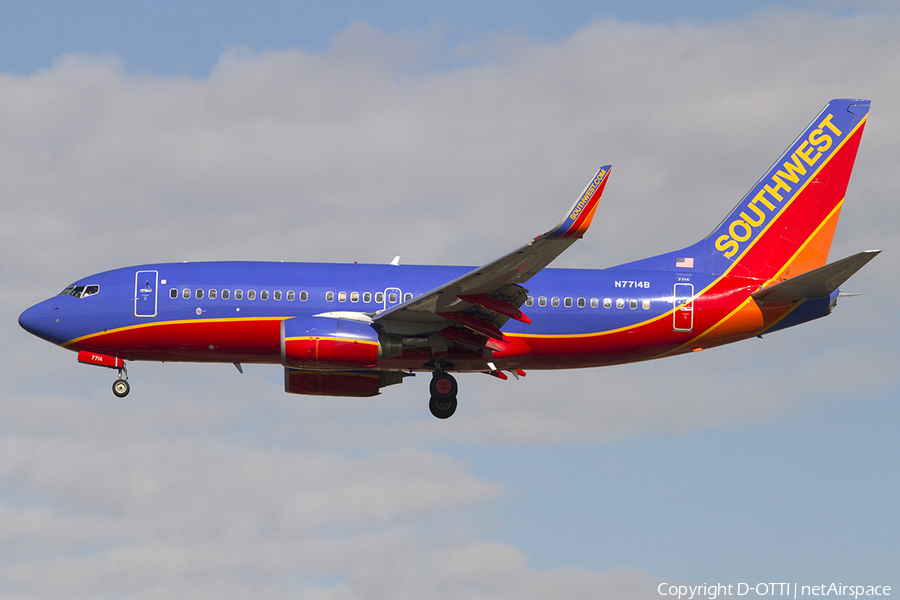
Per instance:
{"type": "Point", "coordinates": [732, 504]}
{"type": "Point", "coordinates": [170, 37]}
{"type": "Point", "coordinates": [447, 133]}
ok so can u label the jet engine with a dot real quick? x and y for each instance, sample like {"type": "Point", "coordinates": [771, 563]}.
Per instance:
{"type": "Point", "coordinates": [329, 344]}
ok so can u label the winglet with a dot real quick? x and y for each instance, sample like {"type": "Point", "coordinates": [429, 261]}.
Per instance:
{"type": "Point", "coordinates": [578, 219]}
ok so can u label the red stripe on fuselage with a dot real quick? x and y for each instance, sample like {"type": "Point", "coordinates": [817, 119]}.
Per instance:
{"type": "Point", "coordinates": [255, 340]}
{"type": "Point", "coordinates": [722, 314]}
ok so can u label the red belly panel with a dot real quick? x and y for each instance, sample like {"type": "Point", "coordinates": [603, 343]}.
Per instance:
{"type": "Point", "coordinates": [254, 340]}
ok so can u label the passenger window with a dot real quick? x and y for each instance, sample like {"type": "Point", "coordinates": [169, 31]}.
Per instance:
{"type": "Point", "coordinates": [581, 303]}
{"type": "Point", "coordinates": [290, 296]}
{"type": "Point", "coordinates": [542, 301]}
{"type": "Point", "coordinates": [645, 305]}
{"type": "Point", "coordinates": [392, 297]}
{"type": "Point", "coordinates": [277, 295]}
{"type": "Point", "coordinates": [173, 293]}
{"type": "Point", "coordinates": [212, 294]}
{"type": "Point", "coordinates": [198, 294]}
{"type": "Point", "coordinates": [407, 296]}
{"type": "Point", "coordinates": [620, 303]}
{"type": "Point", "coordinates": [568, 302]}
{"type": "Point", "coordinates": [251, 294]}
{"type": "Point", "coordinates": [595, 302]}
{"type": "Point", "coordinates": [607, 303]}
{"type": "Point", "coordinates": [304, 296]}
{"type": "Point", "coordinates": [264, 295]}
{"type": "Point", "coordinates": [342, 296]}
{"type": "Point", "coordinates": [632, 304]}
{"type": "Point", "coordinates": [554, 301]}
{"type": "Point", "coordinates": [238, 294]}
{"type": "Point", "coordinates": [186, 294]}
{"type": "Point", "coordinates": [329, 296]}
{"type": "Point", "coordinates": [367, 297]}
{"type": "Point", "coordinates": [225, 294]}
{"type": "Point", "coordinates": [379, 297]}
{"type": "Point", "coordinates": [354, 296]}
{"type": "Point", "coordinates": [530, 301]}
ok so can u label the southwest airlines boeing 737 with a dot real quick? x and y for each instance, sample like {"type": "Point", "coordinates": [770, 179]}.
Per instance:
{"type": "Point", "coordinates": [351, 329]}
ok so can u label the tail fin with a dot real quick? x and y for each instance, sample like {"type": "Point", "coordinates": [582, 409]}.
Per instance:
{"type": "Point", "coordinates": [784, 225]}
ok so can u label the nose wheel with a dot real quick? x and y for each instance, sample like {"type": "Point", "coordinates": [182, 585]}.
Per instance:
{"type": "Point", "coordinates": [121, 388]}
{"type": "Point", "coordinates": [443, 395]}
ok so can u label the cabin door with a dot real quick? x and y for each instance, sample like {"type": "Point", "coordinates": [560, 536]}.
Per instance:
{"type": "Point", "coordinates": [392, 297]}
{"type": "Point", "coordinates": [684, 307]}
{"type": "Point", "coordinates": [145, 293]}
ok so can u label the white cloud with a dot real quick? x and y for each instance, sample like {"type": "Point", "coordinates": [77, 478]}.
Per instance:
{"type": "Point", "coordinates": [101, 500]}
{"type": "Point", "coordinates": [205, 484]}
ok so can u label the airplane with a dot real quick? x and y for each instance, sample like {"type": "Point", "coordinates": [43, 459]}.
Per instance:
{"type": "Point", "coordinates": [353, 329]}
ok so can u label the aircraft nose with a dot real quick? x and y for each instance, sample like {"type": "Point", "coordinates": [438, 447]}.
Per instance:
{"type": "Point", "coordinates": [36, 321]}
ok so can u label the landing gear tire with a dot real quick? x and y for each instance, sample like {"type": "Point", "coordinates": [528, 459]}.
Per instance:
{"type": "Point", "coordinates": [121, 388]}
{"type": "Point", "coordinates": [442, 408]}
{"type": "Point", "coordinates": [443, 386]}
{"type": "Point", "coordinates": [443, 395]}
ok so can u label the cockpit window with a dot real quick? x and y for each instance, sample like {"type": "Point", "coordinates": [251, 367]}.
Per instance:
{"type": "Point", "coordinates": [80, 291]}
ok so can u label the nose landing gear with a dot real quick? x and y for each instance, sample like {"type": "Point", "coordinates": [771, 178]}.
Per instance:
{"type": "Point", "coordinates": [121, 387]}
{"type": "Point", "coordinates": [443, 395]}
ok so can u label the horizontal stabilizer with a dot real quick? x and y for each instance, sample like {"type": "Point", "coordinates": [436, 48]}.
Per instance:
{"type": "Point", "coordinates": [818, 282]}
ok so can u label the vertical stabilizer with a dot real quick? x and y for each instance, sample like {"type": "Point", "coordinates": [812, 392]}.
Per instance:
{"type": "Point", "coordinates": [783, 227]}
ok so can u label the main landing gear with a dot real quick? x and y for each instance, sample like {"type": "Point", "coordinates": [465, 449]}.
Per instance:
{"type": "Point", "coordinates": [443, 395]}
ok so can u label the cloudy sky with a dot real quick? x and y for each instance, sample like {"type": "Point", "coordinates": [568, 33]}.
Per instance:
{"type": "Point", "coordinates": [447, 133]}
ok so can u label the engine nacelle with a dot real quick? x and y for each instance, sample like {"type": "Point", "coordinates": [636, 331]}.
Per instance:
{"type": "Point", "coordinates": [324, 343]}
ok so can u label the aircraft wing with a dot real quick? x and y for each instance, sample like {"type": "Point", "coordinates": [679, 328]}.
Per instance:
{"type": "Point", "coordinates": [471, 309]}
